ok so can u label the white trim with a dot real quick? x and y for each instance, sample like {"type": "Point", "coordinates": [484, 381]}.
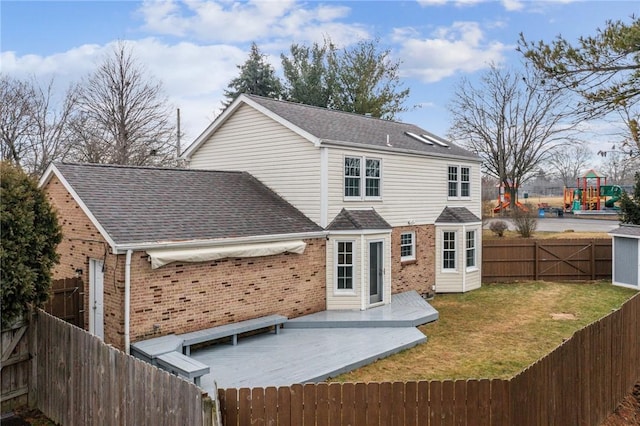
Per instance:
{"type": "Point", "coordinates": [46, 178]}
{"type": "Point", "coordinates": [475, 249]}
{"type": "Point", "coordinates": [413, 247]}
{"type": "Point", "coordinates": [458, 181]}
{"type": "Point", "coordinates": [336, 290]}
{"type": "Point", "coordinates": [364, 293]}
{"type": "Point", "coordinates": [455, 251]}
{"type": "Point", "coordinates": [362, 185]}
{"type": "Point", "coordinates": [367, 284]}
{"type": "Point", "coordinates": [360, 232]}
{"type": "Point", "coordinates": [324, 186]}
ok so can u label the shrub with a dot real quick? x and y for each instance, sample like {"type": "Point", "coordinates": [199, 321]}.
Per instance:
{"type": "Point", "coordinates": [30, 235]}
{"type": "Point", "coordinates": [525, 221]}
{"type": "Point", "coordinates": [498, 227]}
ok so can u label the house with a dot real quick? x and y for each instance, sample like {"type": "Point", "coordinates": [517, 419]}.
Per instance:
{"type": "Point", "coordinates": [285, 209]}
{"type": "Point", "coordinates": [167, 251]}
{"type": "Point", "coordinates": [400, 205]}
{"type": "Point", "coordinates": [626, 256]}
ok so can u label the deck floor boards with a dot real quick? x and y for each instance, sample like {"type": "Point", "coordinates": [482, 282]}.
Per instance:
{"type": "Point", "coordinates": [317, 346]}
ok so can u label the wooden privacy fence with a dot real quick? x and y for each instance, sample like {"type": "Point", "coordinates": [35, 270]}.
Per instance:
{"type": "Point", "coordinates": [66, 301]}
{"type": "Point", "coordinates": [15, 366]}
{"type": "Point", "coordinates": [579, 383]}
{"type": "Point", "coordinates": [547, 260]}
{"type": "Point", "coordinates": [79, 380]}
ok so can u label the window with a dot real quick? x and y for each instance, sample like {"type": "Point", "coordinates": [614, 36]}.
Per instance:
{"type": "Point", "coordinates": [359, 180]}
{"type": "Point", "coordinates": [449, 250]}
{"type": "Point", "coordinates": [407, 246]}
{"type": "Point", "coordinates": [471, 249]}
{"type": "Point", "coordinates": [351, 177]}
{"type": "Point", "coordinates": [344, 265]}
{"type": "Point", "coordinates": [459, 181]}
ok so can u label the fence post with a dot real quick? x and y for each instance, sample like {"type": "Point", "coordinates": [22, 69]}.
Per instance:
{"type": "Point", "coordinates": [536, 265]}
{"type": "Point", "coordinates": [592, 263]}
{"type": "Point", "coordinates": [32, 396]}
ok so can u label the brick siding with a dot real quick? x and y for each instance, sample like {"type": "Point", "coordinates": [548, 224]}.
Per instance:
{"type": "Point", "coordinates": [418, 275]}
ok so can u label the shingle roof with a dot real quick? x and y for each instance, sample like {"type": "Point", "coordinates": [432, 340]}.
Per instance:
{"type": "Point", "coordinates": [141, 205]}
{"type": "Point", "coordinates": [627, 230]}
{"type": "Point", "coordinates": [457, 215]}
{"type": "Point", "coordinates": [352, 220]}
{"type": "Point", "coordinates": [338, 126]}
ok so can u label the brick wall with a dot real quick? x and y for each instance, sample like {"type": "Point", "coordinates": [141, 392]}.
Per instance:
{"type": "Point", "coordinates": [183, 297]}
{"type": "Point", "coordinates": [82, 241]}
{"type": "Point", "coordinates": [418, 275]}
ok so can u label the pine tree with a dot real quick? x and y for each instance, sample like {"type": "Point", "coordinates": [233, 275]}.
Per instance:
{"type": "Point", "coordinates": [630, 205]}
{"type": "Point", "coordinates": [256, 77]}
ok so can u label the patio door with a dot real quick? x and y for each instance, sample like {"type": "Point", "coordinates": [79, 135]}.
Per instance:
{"type": "Point", "coordinates": [96, 297]}
{"type": "Point", "coordinates": [376, 271]}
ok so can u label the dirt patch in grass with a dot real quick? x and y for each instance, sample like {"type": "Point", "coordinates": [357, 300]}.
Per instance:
{"type": "Point", "coordinates": [563, 316]}
{"type": "Point", "coordinates": [495, 331]}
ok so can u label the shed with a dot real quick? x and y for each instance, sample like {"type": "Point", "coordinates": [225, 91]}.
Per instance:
{"type": "Point", "coordinates": [626, 256]}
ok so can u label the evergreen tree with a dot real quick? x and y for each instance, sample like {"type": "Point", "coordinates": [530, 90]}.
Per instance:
{"type": "Point", "coordinates": [630, 205]}
{"type": "Point", "coordinates": [309, 78]}
{"type": "Point", "coordinates": [256, 77]}
{"type": "Point", "coordinates": [30, 234]}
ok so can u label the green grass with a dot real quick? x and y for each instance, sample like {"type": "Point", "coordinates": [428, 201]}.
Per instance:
{"type": "Point", "coordinates": [496, 331]}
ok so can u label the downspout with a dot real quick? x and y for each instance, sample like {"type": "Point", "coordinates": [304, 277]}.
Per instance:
{"type": "Point", "coordinates": [127, 300]}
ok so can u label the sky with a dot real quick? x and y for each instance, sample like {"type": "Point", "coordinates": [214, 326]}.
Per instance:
{"type": "Point", "coordinates": [194, 47]}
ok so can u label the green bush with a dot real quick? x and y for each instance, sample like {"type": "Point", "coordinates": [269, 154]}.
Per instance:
{"type": "Point", "coordinates": [29, 236]}
{"type": "Point", "coordinates": [630, 205]}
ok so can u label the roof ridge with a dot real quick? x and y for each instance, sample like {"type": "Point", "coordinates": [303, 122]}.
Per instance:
{"type": "Point", "coordinates": [134, 167]}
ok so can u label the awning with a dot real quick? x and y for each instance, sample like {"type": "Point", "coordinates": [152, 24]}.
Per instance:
{"type": "Point", "coordinates": [161, 257]}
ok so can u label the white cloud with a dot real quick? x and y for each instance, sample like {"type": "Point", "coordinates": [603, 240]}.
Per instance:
{"type": "Point", "coordinates": [512, 5]}
{"type": "Point", "coordinates": [458, 48]}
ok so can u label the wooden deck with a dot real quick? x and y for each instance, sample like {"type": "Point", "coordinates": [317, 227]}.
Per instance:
{"type": "Point", "coordinates": [310, 352]}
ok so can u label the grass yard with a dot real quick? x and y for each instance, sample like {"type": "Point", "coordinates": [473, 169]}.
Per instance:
{"type": "Point", "coordinates": [496, 331]}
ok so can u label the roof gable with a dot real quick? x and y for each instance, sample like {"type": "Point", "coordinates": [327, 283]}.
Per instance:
{"type": "Point", "coordinates": [140, 205]}
{"type": "Point", "coordinates": [326, 126]}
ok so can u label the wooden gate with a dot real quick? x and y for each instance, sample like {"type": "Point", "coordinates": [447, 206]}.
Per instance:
{"type": "Point", "coordinates": [550, 260]}
{"type": "Point", "coordinates": [66, 301]}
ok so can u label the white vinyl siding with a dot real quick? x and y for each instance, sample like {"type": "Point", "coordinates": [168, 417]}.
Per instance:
{"type": "Point", "coordinates": [461, 279]}
{"type": "Point", "coordinates": [279, 158]}
{"type": "Point", "coordinates": [343, 300]}
{"type": "Point", "coordinates": [414, 188]}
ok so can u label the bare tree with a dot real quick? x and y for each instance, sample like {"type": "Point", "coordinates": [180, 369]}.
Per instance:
{"type": "Point", "coordinates": [619, 168]}
{"type": "Point", "coordinates": [568, 162]}
{"type": "Point", "coordinates": [510, 122]}
{"type": "Point", "coordinates": [124, 115]}
{"type": "Point", "coordinates": [34, 129]}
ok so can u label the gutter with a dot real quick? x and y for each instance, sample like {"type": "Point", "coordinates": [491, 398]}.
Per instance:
{"type": "Point", "coordinates": [127, 301]}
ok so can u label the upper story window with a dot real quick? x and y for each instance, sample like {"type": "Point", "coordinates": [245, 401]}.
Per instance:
{"type": "Point", "coordinates": [407, 246]}
{"type": "Point", "coordinates": [359, 180]}
{"type": "Point", "coordinates": [459, 181]}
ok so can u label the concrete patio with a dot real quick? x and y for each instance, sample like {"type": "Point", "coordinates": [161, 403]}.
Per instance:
{"type": "Point", "coordinates": [315, 347]}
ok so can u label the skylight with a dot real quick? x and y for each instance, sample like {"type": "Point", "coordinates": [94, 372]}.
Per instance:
{"type": "Point", "coordinates": [419, 138]}
{"type": "Point", "coordinates": [435, 140]}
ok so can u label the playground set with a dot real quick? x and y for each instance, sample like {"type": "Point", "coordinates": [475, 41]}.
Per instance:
{"type": "Point", "coordinates": [591, 195]}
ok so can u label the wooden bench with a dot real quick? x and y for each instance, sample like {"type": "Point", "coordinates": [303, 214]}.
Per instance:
{"type": "Point", "coordinates": [176, 363]}
{"type": "Point", "coordinates": [232, 330]}
{"type": "Point", "coordinates": [149, 350]}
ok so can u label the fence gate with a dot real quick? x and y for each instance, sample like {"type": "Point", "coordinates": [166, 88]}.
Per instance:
{"type": "Point", "coordinates": [66, 301]}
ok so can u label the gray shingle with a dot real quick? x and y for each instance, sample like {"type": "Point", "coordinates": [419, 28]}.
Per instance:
{"type": "Point", "coordinates": [338, 126]}
{"type": "Point", "coordinates": [143, 204]}
{"type": "Point", "coordinates": [626, 229]}
{"type": "Point", "coordinates": [352, 220]}
{"type": "Point", "coordinates": [457, 215]}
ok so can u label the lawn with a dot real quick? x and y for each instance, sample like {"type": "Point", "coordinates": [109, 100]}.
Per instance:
{"type": "Point", "coordinates": [496, 331]}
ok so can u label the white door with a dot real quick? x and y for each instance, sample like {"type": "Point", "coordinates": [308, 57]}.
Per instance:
{"type": "Point", "coordinates": [96, 297]}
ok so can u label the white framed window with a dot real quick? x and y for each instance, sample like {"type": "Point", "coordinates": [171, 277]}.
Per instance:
{"type": "Point", "coordinates": [362, 178]}
{"type": "Point", "coordinates": [458, 181]}
{"type": "Point", "coordinates": [344, 266]}
{"type": "Point", "coordinates": [449, 250]}
{"type": "Point", "coordinates": [407, 246]}
{"type": "Point", "coordinates": [470, 250]}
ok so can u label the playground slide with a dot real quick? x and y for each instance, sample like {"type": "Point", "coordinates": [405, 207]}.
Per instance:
{"type": "Point", "coordinates": [615, 192]}
{"type": "Point", "coordinates": [504, 205]}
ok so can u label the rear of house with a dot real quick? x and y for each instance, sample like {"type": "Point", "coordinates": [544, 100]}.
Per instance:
{"type": "Point", "coordinates": [333, 165]}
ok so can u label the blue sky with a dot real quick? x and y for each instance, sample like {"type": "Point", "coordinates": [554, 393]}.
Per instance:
{"type": "Point", "coordinates": [193, 47]}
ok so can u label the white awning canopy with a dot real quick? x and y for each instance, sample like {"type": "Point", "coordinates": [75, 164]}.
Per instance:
{"type": "Point", "coordinates": [164, 256]}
